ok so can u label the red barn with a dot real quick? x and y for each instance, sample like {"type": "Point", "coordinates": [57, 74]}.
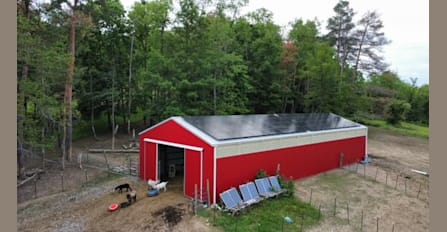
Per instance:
{"type": "Point", "coordinates": [229, 150]}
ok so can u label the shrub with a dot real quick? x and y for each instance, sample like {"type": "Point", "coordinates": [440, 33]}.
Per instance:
{"type": "Point", "coordinates": [396, 111]}
{"type": "Point", "coordinates": [261, 174]}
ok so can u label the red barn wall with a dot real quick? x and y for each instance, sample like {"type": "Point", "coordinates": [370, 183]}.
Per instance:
{"type": "Point", "coordinates": [295, 162]}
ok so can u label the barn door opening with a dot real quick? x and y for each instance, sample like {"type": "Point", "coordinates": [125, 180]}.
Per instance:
{"type": "Point", "coordinates": [171, 166]}
{"type": "Point", "coordinates": [186, 160]}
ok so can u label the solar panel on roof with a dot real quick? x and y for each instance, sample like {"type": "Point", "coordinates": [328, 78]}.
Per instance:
{"type": "Point", "coordinates": [246, 126]}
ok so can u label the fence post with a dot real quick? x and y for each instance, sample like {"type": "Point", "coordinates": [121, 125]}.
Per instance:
{"type": "Point", "coordinates": [62, 181]}
{"type": "Point", "coordinates": [375, 177]}
{"type": "Point", "coordinates": [130, 166]}
{"type": "Point", "coordinates": [419, 191]}
{"type": "Point", "coordinates": [208, 191]}
{"type": "Point", "coordinates": [347, 210]}
{"type": "Point", "coordinates": [377, 225]}
{"type": "Point", "coordinates": [335, 206]}
{"type": "Point", "coordinates": [214, 216]}
{"type": "Point", "coordinates": [310, 199]}
{"type": "Point", "coordinates": [319, 212]}
{"type": "Point", "coordinates": [361, 222]}
{"type": "Point", "coordinates": [386, 179]}
{"type": "Point", "coordinates": [195, 199]}
{"type": "Point", "coordinates": [341, 160]}
{"type": "Point", "coordinates": [282, 225]}
{"type": "Point", "coordinates": [86, 178]}
{"type": "Point", "coordinates": [364, 170]}
{"type": "Point", "coordinates": [35, 187]}
{"type": "Point", "coordinates": [405, 182]}
{"type": "Point", "coordinates": [302, 222]}
{"type": "Point", "coordinates": [397, 178]}
{"type": "Point", "coordinates": [393, 228]}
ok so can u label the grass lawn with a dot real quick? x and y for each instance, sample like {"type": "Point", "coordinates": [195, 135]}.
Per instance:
{"type": "Point", "coordinates": [267, 216]}
{"type": "Point", "coordinates": [405, 128]}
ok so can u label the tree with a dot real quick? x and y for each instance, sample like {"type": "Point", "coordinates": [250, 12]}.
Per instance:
{"type": "Point", "coordinates": [262, 53]}
{"type": "Point", "coordinates": [340, 28]}
{"type": "Point", "coordinates": [288, 68]}
{"type": "Point", "coordinates": [370, 42]}
{"type": "Point", "coordinates": [305, 37]}
{"type": "Point", "coordinates": [41, 62]}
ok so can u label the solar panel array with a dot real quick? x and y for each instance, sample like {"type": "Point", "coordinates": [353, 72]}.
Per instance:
{"type": "Point", "coordinates": [245, 126]}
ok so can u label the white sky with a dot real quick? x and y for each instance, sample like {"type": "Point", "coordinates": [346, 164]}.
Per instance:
{"type": "Point", "coordinates": [406, 24]}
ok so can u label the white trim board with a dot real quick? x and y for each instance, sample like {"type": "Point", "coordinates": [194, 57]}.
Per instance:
{"type": "Point", "coordinates": [174, 144]}
{"type": "Point", "coordinates": [297, 140]}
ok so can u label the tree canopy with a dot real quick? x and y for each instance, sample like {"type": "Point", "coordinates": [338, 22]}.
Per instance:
{"type": "Point", "coordinates": [83, 60]}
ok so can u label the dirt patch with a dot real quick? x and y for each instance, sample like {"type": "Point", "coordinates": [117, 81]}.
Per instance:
{"type": "Point", "coordinates": [171, 215]}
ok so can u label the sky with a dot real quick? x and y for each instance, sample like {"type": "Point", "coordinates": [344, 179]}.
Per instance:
{"type": "Point", "coordinates": [406, 24]}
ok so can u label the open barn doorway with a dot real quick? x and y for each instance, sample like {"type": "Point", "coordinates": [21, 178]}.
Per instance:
{"type": "Point", "coordinates": [171, 166]}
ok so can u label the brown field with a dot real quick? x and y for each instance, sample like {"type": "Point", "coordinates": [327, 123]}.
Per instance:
{"type": "Point", "coordinates": [83, 205]}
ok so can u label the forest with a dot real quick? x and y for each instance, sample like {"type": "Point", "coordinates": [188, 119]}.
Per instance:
{"type": "Point", "coordinates": [84, 62]}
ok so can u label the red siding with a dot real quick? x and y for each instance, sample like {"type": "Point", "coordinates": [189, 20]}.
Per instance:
{"type": "Point", "coordinates": [170, 131]}
{"type": "Point", "coordinates": [192, 163]}
{"type": "Point", "coordinates": [296, 162]}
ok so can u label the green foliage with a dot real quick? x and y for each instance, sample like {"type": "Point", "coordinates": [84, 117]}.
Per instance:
{"type": "Point", "coordinates": [288, 185]}
{"type": "Point", "coordinates": [387, 87]}
{"type": "Point", "coordinates": [396, 111]}
{"type": "Point", "coordinates": [261, 174]}
{"type": "Point", "coordinates": [268, 216]}
{"type": "Point", "coordinates": [404, 128]}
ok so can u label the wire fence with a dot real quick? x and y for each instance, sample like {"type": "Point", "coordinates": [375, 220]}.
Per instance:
{"type": "Point", "coordinates": [44, 176]}
{"type": "Point", "coordinates": [397, 180]}
{"type": "Point", "coordinates": [343, 212]}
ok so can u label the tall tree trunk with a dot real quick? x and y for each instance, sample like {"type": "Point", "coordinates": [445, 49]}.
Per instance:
{"type": "Point", "coordinates": [20, 118]}
{"type": "Point", "coordinates": [92, 109]}
{"type": "Point", "coordinates": [357, 59]}
{"type": "Point", "coordinates": [130, 80]}
{"type": "Point", "coordinates": [43, 148]}
{"type": "Point", "coordinates": [68, 114]}
{"type": "Point", "coordinates": [113, 106]}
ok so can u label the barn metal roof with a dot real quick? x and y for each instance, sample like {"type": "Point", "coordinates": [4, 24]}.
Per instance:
{"type": "Point", "coordinates": [224, 128]}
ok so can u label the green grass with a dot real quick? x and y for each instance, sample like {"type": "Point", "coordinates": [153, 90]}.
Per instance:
{"type": "Point", "coordinates": [267, 216]}
{"type": "Point", "coordinates": [405, 128]}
